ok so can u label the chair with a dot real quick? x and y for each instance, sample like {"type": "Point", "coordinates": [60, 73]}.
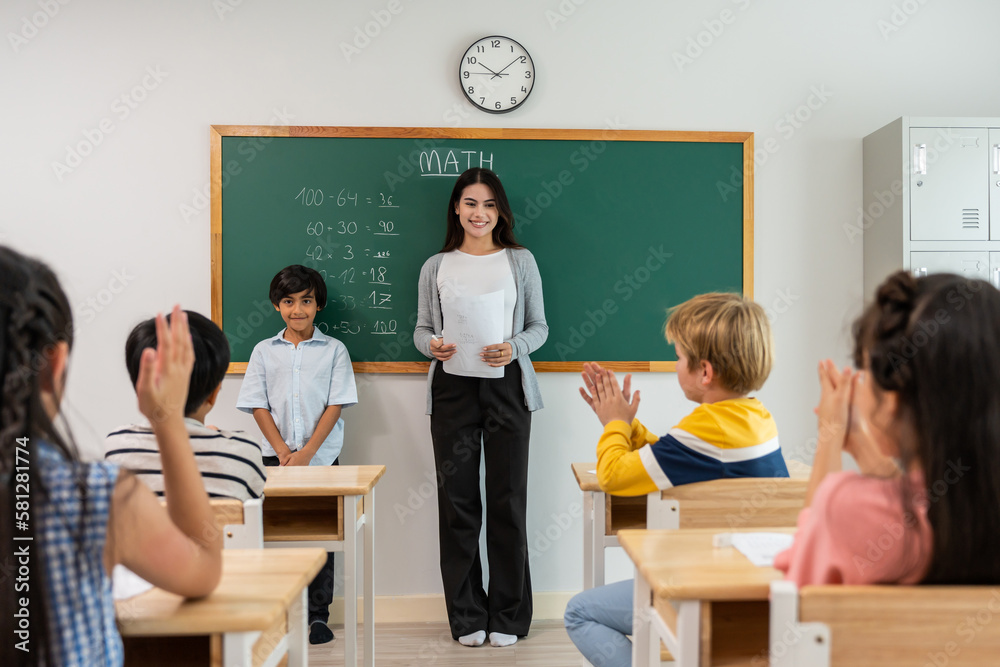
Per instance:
{"type": "Point", "coordinates": [889, 626]}
{"type": "Point", "coordinates": [241, 523]}
{"type": "Point", "coordinates": [745, 502]}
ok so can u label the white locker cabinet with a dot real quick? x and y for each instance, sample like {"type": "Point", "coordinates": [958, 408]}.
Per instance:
{"type": "Point", "coordinates": [949, 184]}
{"type": "Point", "coordinates": [995, 184]}
{"type": "Point", "coordinates": [969, 264]}
{"type": "Point", "coordinates": [930, 199]}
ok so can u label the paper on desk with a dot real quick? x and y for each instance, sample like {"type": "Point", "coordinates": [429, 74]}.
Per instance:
{"type": "Point", "coordinates": [761, 548]}
{"type": "Point", "coordinates": [473, 322]}
{"type": "Point", "coordinates": [126, 584]}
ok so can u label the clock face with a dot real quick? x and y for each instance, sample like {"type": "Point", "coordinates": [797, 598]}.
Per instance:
{"type": "Point", "coordinates": [496, 74]}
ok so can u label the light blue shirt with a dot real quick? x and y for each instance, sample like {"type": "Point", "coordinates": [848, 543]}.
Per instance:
{"type": "Point", "coordinates": [296, 384]}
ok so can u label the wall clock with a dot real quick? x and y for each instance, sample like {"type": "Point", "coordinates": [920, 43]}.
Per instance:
{"type": "Point", "coordinates": [496, 74]}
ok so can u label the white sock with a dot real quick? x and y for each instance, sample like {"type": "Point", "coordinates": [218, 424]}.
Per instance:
{"type": "Point", "coordinates": [500, 639]}
{"type": "Point", "coordinates": [475, 639]}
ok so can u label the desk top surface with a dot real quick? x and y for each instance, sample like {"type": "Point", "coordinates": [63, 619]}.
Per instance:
{"type": "Point", "coordinates": [586, 479]}
{"type": "Point", "coordinates": [257, 587]}
{"type": "Point", "coordinates": [321, 480]}
{"type": "Point", "coordinates": [683, 564]}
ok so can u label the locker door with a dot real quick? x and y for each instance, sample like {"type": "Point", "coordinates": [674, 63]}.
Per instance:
{"type": "Point", "coordinates": [971, 264]}
{"type": "Point", "coordinates": [995, 184]}
{"type": "Point", "coordinates": [995, 269]}
{"type": "Point", "coordinates": [949, 193]}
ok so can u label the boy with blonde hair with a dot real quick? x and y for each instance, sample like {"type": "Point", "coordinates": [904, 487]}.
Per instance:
{"type": "Point", "coordinates": [723, 344]}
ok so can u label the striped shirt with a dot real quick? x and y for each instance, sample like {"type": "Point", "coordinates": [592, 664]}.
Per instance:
{"type": "Point", "coordinates": [230, 463]}
{"type": "Point", "coordinates": [731, 438]}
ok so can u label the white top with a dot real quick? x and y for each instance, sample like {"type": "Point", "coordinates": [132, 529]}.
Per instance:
{"type": "Point", "coordinates": [296, 384]}
{"type": "Point", "coordinates": [462, 274]}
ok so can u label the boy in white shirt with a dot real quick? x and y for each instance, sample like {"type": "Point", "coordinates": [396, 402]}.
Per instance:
{"type": "Point", "coordinates": [295, 386]}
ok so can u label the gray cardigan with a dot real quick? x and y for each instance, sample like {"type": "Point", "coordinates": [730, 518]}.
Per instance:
{"type": "Point", "coordinates": [530, 329]}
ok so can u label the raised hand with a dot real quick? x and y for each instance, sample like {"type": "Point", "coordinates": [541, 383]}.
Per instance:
{"type": "Point", "coordinates": [165, 373]}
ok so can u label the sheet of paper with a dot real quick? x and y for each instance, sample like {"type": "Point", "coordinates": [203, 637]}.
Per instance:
{"type": "Point", "coordinates": [126, 584]}
{"type": "Point", "coordinates": [473, 322]}
{"type": "Point", "coordinates": [761, 548]}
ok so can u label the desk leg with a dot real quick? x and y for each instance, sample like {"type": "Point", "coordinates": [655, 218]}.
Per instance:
{"type": "Point", "coordinates": [237, 648]}
{"type": "Point", "coordinates": [600, 514]}
{"type": "Point", "coordinates": [351, 581]}
{"type": "Point", "coordinates": [298, 646]}
{"type": "Point", "coordinates": [589, 545]}
{"type": "Point", "coordinates": [369, 567]}
{"type": "Point", "coordinates": [688, 633]}
{"type": "Point", "coordinates": [642, 636]}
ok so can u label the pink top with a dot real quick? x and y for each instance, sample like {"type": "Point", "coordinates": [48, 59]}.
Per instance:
{"type": "Point", "coordinates": [856, 532]}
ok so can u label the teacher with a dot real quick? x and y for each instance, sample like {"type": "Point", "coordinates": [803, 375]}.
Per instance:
{"type": "Point", "coordinates": [472, 412]}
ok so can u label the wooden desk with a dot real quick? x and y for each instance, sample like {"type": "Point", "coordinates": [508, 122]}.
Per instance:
{"type": "Point", "coordinates": [708, 605]}
{"type": "Point", "coordinates": [256, 614]}
{"type": "Point", "coordinates": [318, 506]}
{"type": "Point", "coordinates": [605, 514]}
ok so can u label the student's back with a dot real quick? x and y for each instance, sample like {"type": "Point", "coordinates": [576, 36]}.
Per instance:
{"type": "Point", "coordinates": [921, 417]}
{"type": "Point", "coordinates": [723, 344]}
{"type": "Point", "coordinates": [63, 523]}
{"type": "Point", "coordinates": [230, 462]}
{"type": "Point", "coordinates": [74, 527]}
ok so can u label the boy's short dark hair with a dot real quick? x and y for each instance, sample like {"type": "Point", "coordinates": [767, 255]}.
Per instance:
{"type": "Point", "coordinates": [211, 356]}
{"type": "Point", "coordinates": [297, 278]}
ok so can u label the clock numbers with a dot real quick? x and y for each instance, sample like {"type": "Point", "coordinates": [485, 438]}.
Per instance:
{"type": "Point", "coordinates": [495, 79]}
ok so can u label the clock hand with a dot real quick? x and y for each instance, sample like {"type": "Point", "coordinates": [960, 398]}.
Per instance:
{"type": "Point", "coordinates": [508, 65]}
{"type": "Point", "coordinates": [487, 69]}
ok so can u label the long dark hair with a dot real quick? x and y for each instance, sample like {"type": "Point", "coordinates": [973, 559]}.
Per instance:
{"type": "Point", "coordinates": [34, 316]}
{"type": "Point", "coordinates": [503, 232]}
{"type": "Point", "coordinates": [934, 341]}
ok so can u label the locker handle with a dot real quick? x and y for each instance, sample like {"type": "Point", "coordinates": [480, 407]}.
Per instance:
{"type": "Point", "coordinates": [996, 278]}
{"type": "Point", "coordinates": [920, 159]}
{"type": "Point", "coordinates": [921, 272]}
{"type": "Point", "coordinates": [996, 158]}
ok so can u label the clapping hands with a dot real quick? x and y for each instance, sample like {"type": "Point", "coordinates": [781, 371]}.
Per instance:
{"type": "Point", "coordinates": [603, 395]}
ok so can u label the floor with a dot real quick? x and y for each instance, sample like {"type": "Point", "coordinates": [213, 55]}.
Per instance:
{"type": "Point", "coordinates": [403, 645]}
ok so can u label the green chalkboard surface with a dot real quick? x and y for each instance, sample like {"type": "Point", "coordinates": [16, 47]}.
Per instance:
{"type": "Point", "coordinates": [623, 225]}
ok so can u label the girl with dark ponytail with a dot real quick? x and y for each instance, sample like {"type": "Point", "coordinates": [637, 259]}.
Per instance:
{"type": "Point", "coordinates": [65, 523]}
{"type": "Point", "coordinates": [921, 417]}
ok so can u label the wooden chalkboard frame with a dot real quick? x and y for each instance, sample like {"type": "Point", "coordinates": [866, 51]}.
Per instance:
{"type": "Point", "coordinates": [220, 131]}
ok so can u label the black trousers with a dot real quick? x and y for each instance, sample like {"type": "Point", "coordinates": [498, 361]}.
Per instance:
{"type": "Point", "coordinates": [473, 415]}
{"type": "Point", "coordinates": [321, 588]}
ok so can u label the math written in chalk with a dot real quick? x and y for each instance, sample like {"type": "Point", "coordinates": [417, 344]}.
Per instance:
{"type": "Point", "coordinates": [351, 236]}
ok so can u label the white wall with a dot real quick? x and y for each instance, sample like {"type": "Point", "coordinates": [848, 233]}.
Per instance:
{"type": "Point", "coordinates": [113, 227]}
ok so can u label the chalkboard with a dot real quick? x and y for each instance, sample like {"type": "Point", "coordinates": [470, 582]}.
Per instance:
{"type": "Point", "coordinates": [623, 225]}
